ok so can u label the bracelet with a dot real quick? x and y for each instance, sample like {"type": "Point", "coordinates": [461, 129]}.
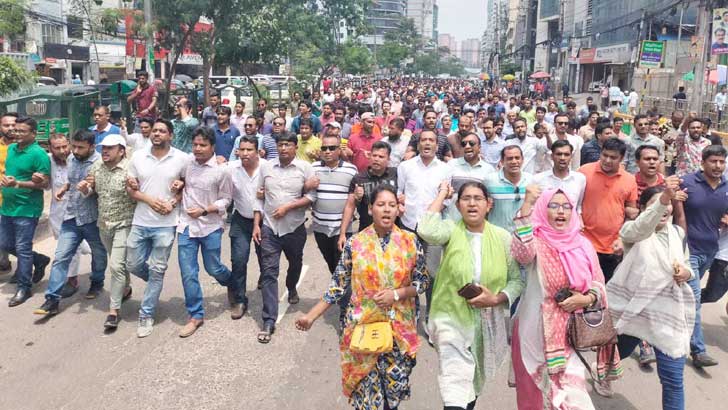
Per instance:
{"type": "Point", "coordinates": [396, 295]}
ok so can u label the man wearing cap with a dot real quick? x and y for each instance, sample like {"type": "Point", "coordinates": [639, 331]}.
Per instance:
{"type": "Point", "coordinates": [79, 224]}
{"type": "Point", "coordinates": [360, 144]}
{"type": "Point", "coordinates": [107, 179]}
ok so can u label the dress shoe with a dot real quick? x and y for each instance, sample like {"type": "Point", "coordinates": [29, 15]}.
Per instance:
{"type": "Point", "coordinates": [703, 360]}
{"type": "Point", "coordinates": [94, 291]}
{"type": "Point", "coordinates": [68, 290]}
{"type": "Point", "coordinates": [191, 327]}
{"type": "Point", "coordinates": [112, 322]}
{"type": "Point", "coordinates": [48, 308]}
{"type": "Point", "coordinates": [238, 310]}
{"type": "Point", "coordinates": [293, 297]}
{"type": "Point", "coordinates": [20, 297]}
{"type": "Point", "coordinates": [40, 268]}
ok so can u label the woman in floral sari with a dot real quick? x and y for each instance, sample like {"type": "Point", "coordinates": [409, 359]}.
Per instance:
{"type": "Point", "coordinates": [549, 244]}
{"type": "Point", "coordinates": [470, 334]}
{"type": "Point", "coordinates": [384, 267]}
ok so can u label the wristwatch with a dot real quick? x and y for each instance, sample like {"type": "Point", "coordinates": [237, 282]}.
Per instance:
{"type": "Point", "coordinates": [396, 295]}
{"type": "Point", "coordinates": [204, 213]}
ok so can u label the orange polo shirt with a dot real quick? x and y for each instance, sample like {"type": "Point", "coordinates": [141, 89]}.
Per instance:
{"type": "Point", "coordinates": [603, 205]}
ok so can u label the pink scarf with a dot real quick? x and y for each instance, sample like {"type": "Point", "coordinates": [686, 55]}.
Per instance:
{"type": "Point", "coordinates": [575, 251]}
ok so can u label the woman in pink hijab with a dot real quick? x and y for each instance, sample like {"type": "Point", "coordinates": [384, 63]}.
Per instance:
{"type": "Point", "coordinates": [558, 259]}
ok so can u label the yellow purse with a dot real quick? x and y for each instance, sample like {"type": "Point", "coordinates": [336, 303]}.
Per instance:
{"type": "Point", "coordinates": [369, 338]}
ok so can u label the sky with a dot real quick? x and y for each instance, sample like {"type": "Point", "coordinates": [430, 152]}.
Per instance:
{"type": "Point", "coordinates": [463, 19]}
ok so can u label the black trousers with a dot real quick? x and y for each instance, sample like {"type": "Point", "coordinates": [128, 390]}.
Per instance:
{"type": "Point", "coordinates": [609, 263]}
{"type": "Point", "coordinates": [471, 406]}
{"type": "Point", "coordinates": [717, 282]}
{"type": "Point", "coordinates": [329, 247]}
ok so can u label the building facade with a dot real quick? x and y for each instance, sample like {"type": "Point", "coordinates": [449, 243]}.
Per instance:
{"type": "Point", "coordinates": [424, 14]}
{"type": "Point", "coordinates": [470, 53]}
{"type": "Point", "coordinates": [383, 16]}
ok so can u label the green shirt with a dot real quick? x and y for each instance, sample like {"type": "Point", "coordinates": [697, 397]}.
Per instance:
{"type": "Point", "coordinates": [22, 164]}
{"type": "Point", "coordinates": [116, 209]}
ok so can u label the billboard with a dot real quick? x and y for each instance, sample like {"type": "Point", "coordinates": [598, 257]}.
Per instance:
{"type": "Point", "coordinates": [718, 43]}
{"type": "Point", "coordinates": [652, 54]}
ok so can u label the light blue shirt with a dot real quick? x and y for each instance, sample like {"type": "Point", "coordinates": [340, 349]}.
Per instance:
{"type": "Point", "coordinates": [507, 198]}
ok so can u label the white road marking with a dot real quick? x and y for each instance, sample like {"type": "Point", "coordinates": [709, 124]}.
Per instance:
{"type": "Point", "coordinates": [283, 301]}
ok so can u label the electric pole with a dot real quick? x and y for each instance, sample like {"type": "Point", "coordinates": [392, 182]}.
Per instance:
{"type": "Point", "coordinates": [702, 30]}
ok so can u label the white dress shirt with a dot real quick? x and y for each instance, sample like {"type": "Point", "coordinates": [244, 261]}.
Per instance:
{"type": "Point", "coordinates": [419, 183]}
{"type": "Point", "coordinates": [573, 185]}
{"type": "Point", "coordinates": [531, 147]}
{"type": "Point", "coordinates": [244, 187]}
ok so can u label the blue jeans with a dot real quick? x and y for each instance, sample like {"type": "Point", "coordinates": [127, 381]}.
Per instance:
{"type": "Point", "coordinates": [147, 254]}
{"type": "Point", "coordinates": [669, 370]}
{"type": "Point", "coordinates": [241, 233]}
{"type": "Point", "coordinates": [16, 237]}
{"type": "Point", "coordinates": [69, 239]}
{"type": "Point", "coordinates": [189, 267]}
{"type": "Point", "coordinates": [698, 264]}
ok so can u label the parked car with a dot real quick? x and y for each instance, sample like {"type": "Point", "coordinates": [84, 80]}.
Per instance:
{"type": "Point", "coordinates": [43, 81]}
{"type": "Point", "coordinates": [595, 86]}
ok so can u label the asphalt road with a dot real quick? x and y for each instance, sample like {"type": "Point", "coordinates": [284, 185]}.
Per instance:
{"type": "Point", "coordinates": [68, 362]}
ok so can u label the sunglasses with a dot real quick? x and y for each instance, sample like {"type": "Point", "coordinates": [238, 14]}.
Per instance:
{"type": "Point", "coordinates": [518, 194]}
{"type": "Point", "coordinates": [562, 122]}
{"type": "Point", "coordinates": [278, 123]}
{"type": "Point", "coordinates": [329, 148]}
{"type": "Point", "coordinates": [249, 125]}
{"type": "Point", "coordinates": [468, 143]}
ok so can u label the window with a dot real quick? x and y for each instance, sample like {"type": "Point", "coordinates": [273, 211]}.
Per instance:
{"type": "Point", "coordinates": [75, 27]}
{"type": "Point", "coordinates": [52, 34]}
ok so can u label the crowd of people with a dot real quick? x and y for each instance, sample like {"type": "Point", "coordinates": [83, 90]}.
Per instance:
{"type": "Point", "coordinates": [506, 213]}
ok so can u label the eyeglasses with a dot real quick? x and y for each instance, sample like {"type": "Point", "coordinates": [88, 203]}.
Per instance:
{"type": "Point", "coordinates": [518, 194]}
{"type": "Point", "coordinates": [476, 198]}
{"type": "Point", "coordinates": [329, 148]}
{"type": "Point", "coordinates": [566, 206]}
{"type": "Point", "coordinates": [466, 143]}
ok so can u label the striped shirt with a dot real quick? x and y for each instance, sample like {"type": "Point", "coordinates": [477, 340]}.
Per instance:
{"type": "Point", "coordinates": [507, 198]}
{"type": "Point", "coordinates": [268, 143]}
{"type": "Point", "coordinates": [331, 196]}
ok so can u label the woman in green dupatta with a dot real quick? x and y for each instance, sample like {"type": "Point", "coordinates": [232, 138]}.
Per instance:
{"type": "Point", "coordinates": [469, 334]}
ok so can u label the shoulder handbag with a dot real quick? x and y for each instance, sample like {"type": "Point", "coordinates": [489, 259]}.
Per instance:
{"type": "Point", "coordinates": [591, 328]}
{"type": "Point", "coordinates": [372, 338]}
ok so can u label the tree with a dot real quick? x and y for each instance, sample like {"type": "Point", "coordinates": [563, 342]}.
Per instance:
{"type": "Point", "coordinates": [12, 76]}
{"type": "Point", "coordinates": [317, 34]}
{"type": "Point", "coordinates": [356, 58]}
{"type": "Point", "coordinates": [260, 37]}
{"type": "Point", "coordinates": [392, 54]}
{"type": "Point", "coordinates": [400, 44]}
{"type": "Point", "coordinates": [172, 27]}
{"type": "Point", "coordinates": [12, 19]}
